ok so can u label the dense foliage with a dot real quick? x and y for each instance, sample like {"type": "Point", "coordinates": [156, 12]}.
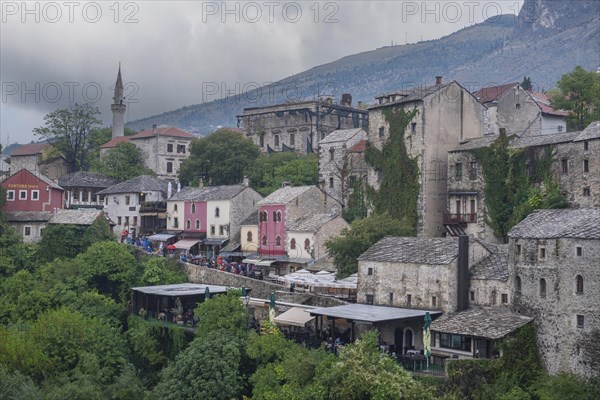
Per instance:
{"type": "Point", "coordinates": [399, 187]}
{"type": "Point", "coordinates": [512, 192]}
{"type": "Point", "coordinates": [579, 93]}
{"type": "Point", "coordinates": [362, 234]}
{"type": "Point", "coordinates": [122, 162]}
{"type": "Point", "coordinates": [269, 171]}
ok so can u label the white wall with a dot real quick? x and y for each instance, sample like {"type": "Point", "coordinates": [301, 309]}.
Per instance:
{"type": "Point", "coordinates": [223, 219]}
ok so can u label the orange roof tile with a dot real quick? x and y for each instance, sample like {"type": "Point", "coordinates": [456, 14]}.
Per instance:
{"type": "Point", "coordinates": [30, 149]}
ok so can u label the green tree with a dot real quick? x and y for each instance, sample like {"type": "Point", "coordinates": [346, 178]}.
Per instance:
{"type": "Point", "coordinates": [269, 171]}
{"type": "Point", "coordinates": [219, 159]}
{"type": "Point", "coordinates": [67, 241]}
{"type": "Point", "coordinates": [579, 93]}
{"type": "Point", "coordinates": [223, 312]}
{"type": "Point", "coordinates": [362, 234]}
{"type": "Point", "coordinates": [122, 162]}
{"type": "Point", "coordinates": [526, 84]}
{"type": "Point", "coordinates": [108, 267]}
{"type": "Point", "coordinates": [70, 130]}
{"type": "Point", "coordinates": [362, 372]}
{"type": "Point", "coordinates": [158, 272]}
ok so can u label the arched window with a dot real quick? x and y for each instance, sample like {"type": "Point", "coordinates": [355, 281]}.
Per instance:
{"type": "Point", "coordinates": [274, 216]}
{"type": "Point", "coordinates": [197, 224]}
{"type": "Point", "coordinates": [542, 287]}
{"type": "Point", "coordinates": [278, 216]}
{"type": "Point", "coordinates": [217, 212]}
{"type": "Point", "coordinates": [293, 244]}
{"type": "Point", "coordinates": [579, 284]}
{"type": "Point", "coordinates": [278, 241]}
{"type": "Point", "coordinates": [263, 216]}
{"type": "Point", "coordinates": [262, 139]}
{"type": "Point", "coordinates": [249, 237]}
{"type": "Point", "coordinates": [307, 245]}
{"type": "Point", "coordinates": [174, 207]}
{"type": "Point", "coordinates": [264, 240]}
{"type": "Point", "coordinates": [518, 284]}
{"type": "Point", "coordinates": [193, 208]}
{"type": "Point", "coordinates": [188, 224]}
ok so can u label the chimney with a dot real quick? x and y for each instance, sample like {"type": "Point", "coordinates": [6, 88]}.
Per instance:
{"type": "Point", "coordinates": [246, 181]}
{"type": "Point", "coordinates": [154, 129]}
{"type": "Point", "coordinates": [462, 275]}
{"type": "Point", "coordinates": [438, 80]}
{"type": "Point", "coordinates": [201, 183]}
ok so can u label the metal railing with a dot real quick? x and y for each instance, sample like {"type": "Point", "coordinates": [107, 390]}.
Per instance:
{"type": "Point", "coordinates": [450, 219]}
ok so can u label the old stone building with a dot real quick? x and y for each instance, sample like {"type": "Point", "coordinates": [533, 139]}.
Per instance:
{"type": "Point", "coordinates": [163, 149]}
{"type": "Point", "coordinates": [519, 112]}
{"type": "Point", "coordinates": [447, 115]}
{"type": "Point", "coordinates": [306, 236]}
{"type": "Point", "coordinates": [573, 167]}
{"type": "Point", "coordinates": [118, 108]}
{"type": "Point", "coordinates": [553, 264]}
{"type": "Point", "coordinates": [336, 173]}
{"type": "Point", "coordinates": [299, 126]}
{"type": "Point", "coordinates": [81, 189]}
{"type": "Point", "coordinates": [489, 285]}
{"type": "Point", "coordinates": [41, 158]}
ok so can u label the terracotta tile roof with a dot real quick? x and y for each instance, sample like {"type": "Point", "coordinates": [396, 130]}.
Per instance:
{"type": "Point", "coordinates": [30, 149]}
{"type": "Point", "coordinates": [555, 224]}
{"type": "Point", "coordinates": [411, 250]}
{"type": "Point", "coordinates": [115, 141]}
{"type": "Point", "coordinates": [162, 131]}
{"type": "Point", "coordinates": [358, 147]}
{"type": "Point", "coordinates": [491, 323]}
{"type": "Point", "coordinates": [492, 93]}
{"type": "Point", "coordinates": [543, 101]}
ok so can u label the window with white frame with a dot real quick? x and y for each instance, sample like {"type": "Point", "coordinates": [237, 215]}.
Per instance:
{"type": "Point", "coordinates": [35, 195]}
{"type": "Point", "coordinates": [10, 195]}
{"type": "Point", "coordinates": [22, 194]}
{"type": "Point", "coordinates": [26, 231]}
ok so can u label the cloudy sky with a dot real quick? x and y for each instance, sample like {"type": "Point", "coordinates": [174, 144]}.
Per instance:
{"type": "Point", "coordinates": [56, 53]}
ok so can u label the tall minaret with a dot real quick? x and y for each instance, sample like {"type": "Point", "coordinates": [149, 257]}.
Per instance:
{"type": "Point", "coordinates": [118, 108]}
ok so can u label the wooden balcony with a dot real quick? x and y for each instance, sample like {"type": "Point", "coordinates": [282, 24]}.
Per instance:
{"type": "Point", "coordinates": [459, 219]}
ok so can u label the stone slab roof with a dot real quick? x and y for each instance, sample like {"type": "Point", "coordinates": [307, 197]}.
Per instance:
{"type": "Point", "coordinates": [252, 219]}
{"type": "Point", "coordinates": [27, 216]}
{"type": "Point", "coordinates": [75, 217]}
{"type": "Point", "coordinates": [475, 143]}
{"type": "Point", "coordinates": [545, 140]}
{"type": "Point", "coordinates": [490, 323]}
{"type": "Point", "coordinates": [310, 222]}
{"type": "Point", "coordinates": [591, 132]}
{"type": "Point", "coordinates": [284, 195]}
{"type": "Point", "coordinates": [492, 267]}
{"type": "Point", "coordinates": [143, 183]}
{"type": "Point", "coordinates": [411, 95]}
{"type": "Point", "coordinates": [554, 224]}
{"type": "Point", "coordinates": [224, 192]}
{"type": "Point", "coordinates": [411, 250]}
{"type": "Point", "coordinates": [341, 135]}
{"type": "Point", "coordinates": [84, 179]}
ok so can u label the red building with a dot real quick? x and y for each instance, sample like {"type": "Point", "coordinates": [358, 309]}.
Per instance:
{"type": "Point", "coordinates": [26, 191]}
{"type": "Point", "coordinates": [30, 201]}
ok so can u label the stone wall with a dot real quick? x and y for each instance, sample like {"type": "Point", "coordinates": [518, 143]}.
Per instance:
{"type": "Point", "coordinates": [260, 289]}
{"type": "Point", "coordinates": [562, 340]}
{"type": "Point", "coordinates": [242, 206]}
{"type": "Point", "coordinates": [489, 292]}
{"type": "Point", "coordinates": [330, 229]}
{"type": "Point", "coordinates": [518, 113]}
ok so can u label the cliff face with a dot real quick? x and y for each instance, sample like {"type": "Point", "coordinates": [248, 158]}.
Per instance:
{"type": "Point", "coordinates": [548, 39]}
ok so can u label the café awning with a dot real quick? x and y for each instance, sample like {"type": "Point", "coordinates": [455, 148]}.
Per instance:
{"type": "Point", "coordinates": [214, 242]}
{"type": "Point", "coordinates": [250, 260]}
{"type": "Point", "coordinates": [295, 316]}
{"type": "Point", "coordinates": [160, 237]}
{"type": "Point", "coordinates": [186, 244]}
{"type": "Point", "coordinates": [265, 263]}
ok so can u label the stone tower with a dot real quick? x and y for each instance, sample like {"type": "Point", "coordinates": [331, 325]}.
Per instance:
{"type": "Point", "coordinates": [118, 108]}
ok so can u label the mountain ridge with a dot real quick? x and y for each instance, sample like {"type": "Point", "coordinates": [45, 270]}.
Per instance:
{"type": "Point", "coordinates": [547, 39]}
